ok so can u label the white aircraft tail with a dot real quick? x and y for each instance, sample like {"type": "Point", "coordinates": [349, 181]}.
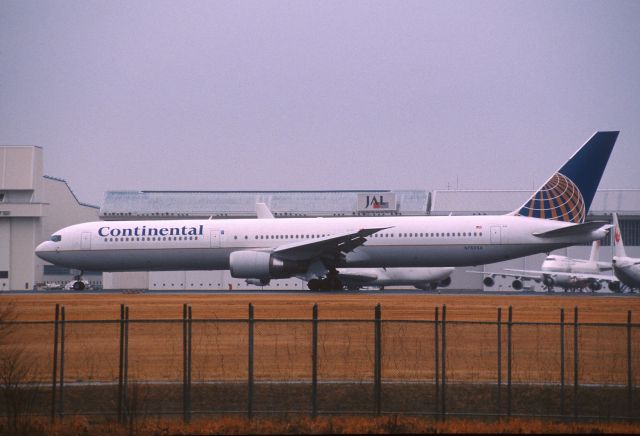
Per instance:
{"type": "Point", "coordinates": [617, 238]}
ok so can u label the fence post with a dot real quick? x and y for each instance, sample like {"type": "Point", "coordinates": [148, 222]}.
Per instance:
{"type": "Point", "coordinates": [562, 360]}
{"type": "Point", "coordinates": [250, 365]}
{"type": "Point", "coordinates": [444, 354]}
{"type": "Point", "coordinates": [314, 362]}
{"type": "Point", "coordinates": [189, 337]}
{"type": "Point", "coordinates": [499, 360]}
{"type": "Point", "coordinates": [121, 364]}
{"type": "Point", "coordinates": [185, 358]}
{"type": "Point", "coordinates": [575, 363]}
{"type": "Point", "coordinates": [435, 327]}
{"type": "Point", "coordinates": [55, 364]}
{"type": "Point", "coordinates": [125, 361]}
{"type": "Point", "coordinates": [377, 382]}
{"type": "Point", "coordinates": [509, 356]}
{"type": "Point", "coordinates": [629, 369]}
{"type": "Point", "coordinates": [62, 335]}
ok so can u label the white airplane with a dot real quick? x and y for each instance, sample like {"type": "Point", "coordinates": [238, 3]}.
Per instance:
{"type": "Point", "coordinates": [313, 248]}
{"type": "Point", "coordinates": [356, 278]}
{"type": "Point", "coordinates": [627, 269]}
{"type": "Point", "coordinates": [564, 272]}
{"type": "Point", "coordinates": [420, 278]}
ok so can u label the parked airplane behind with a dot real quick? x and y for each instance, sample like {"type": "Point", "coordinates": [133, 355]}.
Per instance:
{"type": "Point", "coordinates": [420, 278]}
{"type": "Point", "coordinates": [356, 278]}
{"type": "Point", "coordinates": [314, 248]}
{"type": "Point", "coordinates": [564, 272]}
{"type": "Point", "coordinates": [626, 268]}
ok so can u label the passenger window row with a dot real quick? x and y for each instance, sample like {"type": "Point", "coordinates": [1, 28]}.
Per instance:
{"type": "Point", "coordinates": [152, 238]}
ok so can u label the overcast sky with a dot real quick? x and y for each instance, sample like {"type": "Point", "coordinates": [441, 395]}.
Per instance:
{"type": "Point", "coordinates": [278, 95]}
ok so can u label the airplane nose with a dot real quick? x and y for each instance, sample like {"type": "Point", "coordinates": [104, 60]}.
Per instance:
{"type": "Point", "coordinates": [44, 250]}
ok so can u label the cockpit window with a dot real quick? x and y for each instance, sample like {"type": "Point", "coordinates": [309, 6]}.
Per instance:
{"type": "Point", "coordinates": [56, 238]}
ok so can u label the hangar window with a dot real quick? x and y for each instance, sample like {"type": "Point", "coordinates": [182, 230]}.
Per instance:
{"type": "Point", "coordinates": [4, 274]}
{"type": "Point", "coordinates": [56, 238]}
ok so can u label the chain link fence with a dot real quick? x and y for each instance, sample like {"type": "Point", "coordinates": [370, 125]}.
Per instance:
{"type": "Point", "coordinates": [125, 369]}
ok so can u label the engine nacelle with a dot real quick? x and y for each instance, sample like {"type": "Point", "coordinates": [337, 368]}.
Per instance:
{"type": "Point", "coordinates": [516, 284]}
{"type": "Point", "coordinates": [614, 286]}
{"type": "Point", "coordinates": [595, 286]}
{"type": "Point", "coordinates": [444, 283]}
{"type": "Point", "coordinates": [262, 266]}
{"type": "Point", "coordinates": [488, 281]}
{"type": "Point", "coordinates": [548, 281]}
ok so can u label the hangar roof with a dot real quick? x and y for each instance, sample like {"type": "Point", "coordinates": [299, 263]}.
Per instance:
{"type": "Point", "coordinates": [241, 204]}
{"type": "Point", "coordinates": [606, 201]}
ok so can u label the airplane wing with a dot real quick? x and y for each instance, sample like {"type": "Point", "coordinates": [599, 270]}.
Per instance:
{"type": "Point", "coordinates": [329, 248]}
{"type": "Point", "coordinates": [523, 275]}
{"type": "Point", "coordinates": [581, 276]}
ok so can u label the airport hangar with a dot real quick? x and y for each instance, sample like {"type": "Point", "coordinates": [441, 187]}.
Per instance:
{"type": "Point", "coordinates": [33, 206]}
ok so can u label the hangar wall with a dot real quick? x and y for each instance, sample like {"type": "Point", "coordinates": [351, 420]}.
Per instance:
{"type": "Point", "coordinates": [32, 206]}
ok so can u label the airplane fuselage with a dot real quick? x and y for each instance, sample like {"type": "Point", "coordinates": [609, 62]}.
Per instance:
{"type": "Point", "coordinates": [627, 270]}
{"type": "Point", "coordinates": [207, 244]}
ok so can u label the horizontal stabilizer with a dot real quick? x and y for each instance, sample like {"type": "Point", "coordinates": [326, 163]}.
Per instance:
{"type": "Point", "coordinates": [577, 229]}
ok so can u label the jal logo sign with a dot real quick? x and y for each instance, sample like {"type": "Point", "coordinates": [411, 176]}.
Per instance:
{"type": "Point", "coordinates": [377, 201]}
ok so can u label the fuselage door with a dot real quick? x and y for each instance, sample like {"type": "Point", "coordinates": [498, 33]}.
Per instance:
{"type": "Point", "coordinates": [496, 235]}
{"type": "Point", "coordinates": [215, 238]}
{"type": "Point", "coordinates": [85, 241]}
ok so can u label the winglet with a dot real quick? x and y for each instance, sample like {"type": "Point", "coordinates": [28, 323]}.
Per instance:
{"type": "Point", "coordinates": [567, 195]}
{"type": "Point", "coordinates": [263, 212]}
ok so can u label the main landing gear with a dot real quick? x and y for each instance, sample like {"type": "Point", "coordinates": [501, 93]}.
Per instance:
{"type": "Point", "coordinates": [329, 283]}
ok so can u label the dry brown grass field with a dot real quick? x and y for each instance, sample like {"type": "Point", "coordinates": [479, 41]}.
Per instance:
{"type": "Point", "coordinates": [282, 350]}
{"type": "Point", "coordinates": [322, 425]}
{"type": "Point", "coordinates": [598, 309]}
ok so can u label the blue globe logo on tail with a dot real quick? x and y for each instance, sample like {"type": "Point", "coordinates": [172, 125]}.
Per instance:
{"type": "Point", "coordinates": [568, 194]}
{"type": "Point", "coordinates": [559, 199]}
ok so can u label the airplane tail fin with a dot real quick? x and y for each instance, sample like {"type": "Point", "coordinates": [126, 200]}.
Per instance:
{"type": "Point", "coordinates": [595, 249]}
{"type": "Point", "coordinates": [617, 238]}
{"type": "Point", "coordinates": [567, 195]}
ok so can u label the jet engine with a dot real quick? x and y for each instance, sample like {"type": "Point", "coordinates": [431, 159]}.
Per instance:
{"type": "Point", "coordinates": [516, 284]}
{"type": "Point", "coordinates": [488, 281]}
{"type": "Point", "coordinates": [614, 286]}
{"type": "Point", "coordinates": [444, 283]}
{"type": "Point", "coordinates": [548, 282]}
{"type": "Point", "coordinates": [595, 286]}
{"type": "Point", "coordinates": [262, 266]}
